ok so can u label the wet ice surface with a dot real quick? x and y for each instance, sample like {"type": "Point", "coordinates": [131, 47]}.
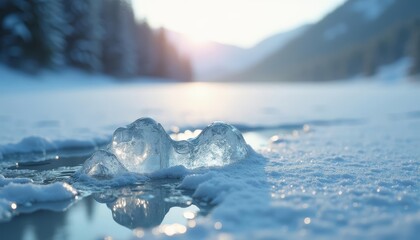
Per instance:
{"type": "Point", "coordinates": [332, 166]}
{"type": "Point", "coordinates": [112, 212]}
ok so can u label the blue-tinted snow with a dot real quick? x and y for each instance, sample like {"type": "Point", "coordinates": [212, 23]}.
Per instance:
{"type": "Point", "coordinates": [338, 161]}
{"type": "Point", "coordinates": [21, 196]}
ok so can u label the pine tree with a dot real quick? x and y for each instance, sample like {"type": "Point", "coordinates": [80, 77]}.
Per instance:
{"type": "Point", "coordinates": [84, 34]}
{"type": "Point", "coordinates": [161, 48]}
{"type": "Point", "coordinates": [14, 31]}
{"type": "Point", "coordinates": [119, 46]}
{"type": "Point", "coordinates": [32, 35]}
{"type": "Point", "coordinates": [414, 49]}
{"type": "Point", "coordinates": [187, 73]}
{"type": "Point", "coordinates": [145, 55]}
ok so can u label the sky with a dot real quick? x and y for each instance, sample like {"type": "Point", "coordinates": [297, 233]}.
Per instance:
{"type": "Point", "coordinates": [238, 22]}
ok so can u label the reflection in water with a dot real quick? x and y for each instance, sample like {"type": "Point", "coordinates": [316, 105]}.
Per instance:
{"type": "Point", "coordinates": [144, 209]}
{"type": "Point", "coordinates": [43, 224]}
{"type": "Point", "coordinates": [134, 209]}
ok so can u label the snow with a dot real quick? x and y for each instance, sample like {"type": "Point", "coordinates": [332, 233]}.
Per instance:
{"type": "Point", "coordinates": [175, 172]}
{"type": "Point", "coordinates": [192, 181]}
{"type": "Point", "coordinates": [395, 71]}
{"type": "Point", "coordinates": [334, 160]}
{"type": "Point", "coordinates": [23, 193]}
{"type": "Point", "coordinates": [371, 9]}
{"type": "Point", "coordinates": [21, 196]}
{"type": "Point", "coordinates": [42, 146]}
{"type": "Point", "coordinates": [81, 115]}
{"type": "Point", "coordinates": [339, 182]}
{"type": "Point", "coordinates": [4, 181]}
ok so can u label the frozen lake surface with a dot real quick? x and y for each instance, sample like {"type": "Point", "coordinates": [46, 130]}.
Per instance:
{"type": "Point", "coordinates": [335, 161]}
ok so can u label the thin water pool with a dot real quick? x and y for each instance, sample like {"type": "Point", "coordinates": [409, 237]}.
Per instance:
{"type": "Point", "coordinates": [100, 212]}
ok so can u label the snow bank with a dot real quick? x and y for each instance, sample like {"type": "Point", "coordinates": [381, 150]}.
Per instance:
{"type": "Point", "coordinates": [4, 181]}
{"type": "Point", "coordinates": [215, 184]}
{"type": "Point", "coordinates": [32, 193]}
{"type": "Point", "coordinates": [35, 144]}
{"type": "Point", "coordinates": [20, 195]}
{"type": "Point", "coordinates": [394, 72]}
{"type": "Point", "coordinates": [175, 172]}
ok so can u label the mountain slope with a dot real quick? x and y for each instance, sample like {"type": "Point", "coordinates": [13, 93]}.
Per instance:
{"type": "Point", "coordinates": [212, 60]}
{"type": "Point", "coordinates": [336, 46]}
{"type": "Point", "coordinates": [264, 48]}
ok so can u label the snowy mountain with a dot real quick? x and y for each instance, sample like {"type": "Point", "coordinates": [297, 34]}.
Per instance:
{"type": "Point", "coordinates": [357, 38]}
{"type": "Point", "coordinates": [212, 60]}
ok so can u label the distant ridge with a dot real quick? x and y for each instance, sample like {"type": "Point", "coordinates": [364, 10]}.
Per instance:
{"type": "Point", "coordinates": [357, 38]}
{"type": "Point", "coordinates": [213, 60]}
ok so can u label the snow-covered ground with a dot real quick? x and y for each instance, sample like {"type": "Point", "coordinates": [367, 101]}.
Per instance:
{"type": "Point", "coordinates": [335, 160]}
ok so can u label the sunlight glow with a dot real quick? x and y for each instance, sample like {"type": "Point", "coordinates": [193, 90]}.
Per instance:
{"type": "Point", "coordinates": [236, 22]}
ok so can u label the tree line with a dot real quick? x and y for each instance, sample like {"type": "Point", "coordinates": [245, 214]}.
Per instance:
{"type": "Point", "coordinates": [96, 36]}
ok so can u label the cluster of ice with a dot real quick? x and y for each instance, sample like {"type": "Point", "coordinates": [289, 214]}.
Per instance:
{"type": "Point", "coordinates": [144, 146]}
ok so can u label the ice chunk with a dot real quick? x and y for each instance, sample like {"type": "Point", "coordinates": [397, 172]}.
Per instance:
{"type": "Point", "coordinates": [103, 165]}
{"type": "Point", "coordinates": [218, 144]}
{"type": "Point", "coordinates": [144, 147]}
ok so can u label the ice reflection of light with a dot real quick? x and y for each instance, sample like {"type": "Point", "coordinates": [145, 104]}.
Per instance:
{"type": "Point", "coordinates": [189, 215]}
{"type": "Point", "coordinates": [307, 220]}
{"type": "Point", "coordinates": [180, 215]}
{"type": "Point", "coordinates": [138, 232]}
{"type": "Point", "coordinates": [256, 140]}
{"type": "Point", "coordinates": [191, 224]}
{"type": "Point", "coordinates": [203, 102]}
{"type": "Point", "coordinates": [187, 134]}
{"type": "Point", "coordinates": [175, 129]}
{"type": "Point", "coordinates": [306, 128]}
{"type": "Point", "coordinates": [218, 225]}
{"type": "Point", "coordinates": [199, 93]}
{"type": "Point", "coordinates": [69, 188]}
{"type": "Point", "coordinates": [172, 229]}
{"type": "Point", "coordinates": [13, 206]}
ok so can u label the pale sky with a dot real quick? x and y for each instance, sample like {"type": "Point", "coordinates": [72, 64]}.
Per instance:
{"type": "Point", "coordinates": [237, 22]}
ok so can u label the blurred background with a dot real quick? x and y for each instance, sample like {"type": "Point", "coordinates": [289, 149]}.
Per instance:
{"type": "Point", "coordinates": [186, 40]}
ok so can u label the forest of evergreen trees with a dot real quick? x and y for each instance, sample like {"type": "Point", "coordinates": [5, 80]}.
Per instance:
{"type": "Point", "coordinates": [401, 40]}
{"type": "Point", "coordinates": [96, 36]}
